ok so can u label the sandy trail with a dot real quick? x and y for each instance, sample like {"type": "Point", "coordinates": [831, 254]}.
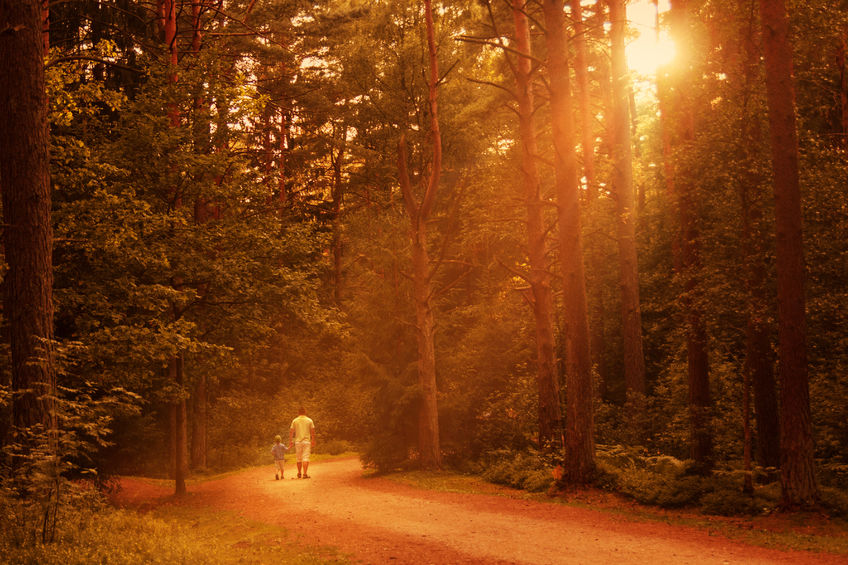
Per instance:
{"type": "Point", "coordinates": [377, 521]}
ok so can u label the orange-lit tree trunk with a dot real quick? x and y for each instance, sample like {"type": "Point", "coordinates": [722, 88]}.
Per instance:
{"type": "Point", "coordinates": [580, 424]}
{"type": "Point", "coordinates": [203, 211]}
{"type": "Point", "coordinates": [581, 75]}
{"type": "Point", "coordinates": [547, 381]}
{"type": "Point", "coordinates": [27, 229]}
{"type": "Point", "coordinates": [419, 213]}
{"type": "Point", "coordinates": [337, 199]}
{"type": "Point", "coordinates": [168, 16]}
{"type": "Point", "coordinates": [842, 61]}
{"type": "Point", "coordinates": [593, 243]}
{"type": "Point", "coordinates": [798, 479]}
{"type": "Point", "coordinates": [682, 123]}
{"type": "Point", "coordinates": [622, 182]}
{"type": "Point", "coordinates": [759, 357]}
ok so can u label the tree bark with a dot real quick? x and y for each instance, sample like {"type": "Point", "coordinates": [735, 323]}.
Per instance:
{"type": "Point", "coordinates": [547, 379]}
{"type": "Point", "coordinates": [428, 417]}
{"type": "Point", "coordinates": [622, 182]}
{"type": "Point", "coordinates": [759, 359]}
{"type": "Point", "coordinates": [581, 75]}
{"type": "Point", "coordinates": [687, 247]}
{"type": "Point", "coordinates": [178, 435]}
{"type": "Point", "coordinates": [842, 61]}
{"type": "Point", "coordinates": [199, 430]}
{"type": "Point", "coordinates": [27, 228]}
{"type": "Point", "coordinates": [597, 341]}
{"type": "Point", "coordinates": [580, 425]}
{"type": "Point", "coordinates": [168, 15]}
{"type": "Point", "coordinates": [798, 480]}
{"type": "Point", "coordinates": [337, 195]}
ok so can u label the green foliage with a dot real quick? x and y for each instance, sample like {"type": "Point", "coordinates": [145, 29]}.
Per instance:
{"type": "Point", "coordinates": [94, 533]}
{"type": "Point", "coordinates": [520, 470]}
{"type": "Point", "coordinates": [664, 481]}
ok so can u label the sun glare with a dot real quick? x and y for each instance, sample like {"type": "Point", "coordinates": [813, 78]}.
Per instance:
{"type": "Point", "coordinates": [647, 50]}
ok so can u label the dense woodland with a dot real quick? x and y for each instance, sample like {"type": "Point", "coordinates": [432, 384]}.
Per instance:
{"type": "Point", "coordinates": [461, 233]}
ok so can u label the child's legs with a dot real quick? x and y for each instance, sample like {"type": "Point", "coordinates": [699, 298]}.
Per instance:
{"type": "Point", "coordinates": [279, 464]}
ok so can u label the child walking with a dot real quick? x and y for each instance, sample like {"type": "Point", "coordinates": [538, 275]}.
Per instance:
{"type": "Point", "coordinates": [278, 450]}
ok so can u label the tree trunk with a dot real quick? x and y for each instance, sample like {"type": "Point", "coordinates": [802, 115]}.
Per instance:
{"type": "Point", "coordinates": [688, 251]}
{"type": "Point", "coordinates": [580, 425]}
{"type": "Point", "coordinates": [199, 435]}
{"type": "Point", "coordinates": [547, 381]}
{"type": "Point", "coordinates": [168, 16]}
{"type": "Point", "coordinates": [581, 75]}
{"type": "Point", "coordinates": [337, 201]}
{"type": "Point", "coordinates": [27, 228]}
{"type": "Point", "coordinates": [178, 434]}
{"type": "Point", "coordinates": [622, 182]}
{"type": "Point", "coordinates": [759, 362]}
{"type": "Point", "coordinates": [428, 420]}
{"type": "Point", "coordinates": [798, 480]}
{"type": "Point", "coordinates": [842, 61]}
{"type": "Point", "coordinates": [593, 244]}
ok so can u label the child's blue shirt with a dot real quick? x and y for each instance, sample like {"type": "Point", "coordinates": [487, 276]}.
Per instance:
{"type": "Point", "coordinates": [278, 450]}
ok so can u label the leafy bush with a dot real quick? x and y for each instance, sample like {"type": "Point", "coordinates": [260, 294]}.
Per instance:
{"type": "Point", "coordinates": [335, 447]}
{"type": "Point", "coordinates": [665, 481]}
{"type": "Point", "coordinates": [526, 471]}
{"type": "Point", "coordinates": [835, 500]}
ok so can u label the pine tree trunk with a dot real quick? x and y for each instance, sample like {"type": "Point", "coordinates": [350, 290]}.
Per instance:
{"type": "Point", "coordinates": [175, 372]}
{"type": "Point", "coordinates": [842, 61]}
{"type": "Point", "coordinates": [337, 199]}
{"type": "Point", "coordinates": [199, 432]}
{"type": "Point", "coordinates": [547, 379]}
{"type": "Point", "coordinates": [428, 421]}
{"type": "Point", "coordinates": [581, 75]}
{"type": "Point", "coordinates": [759, 359]}
{"type": "Point", "coordinates": [27, 229]}
{"type": "Point", "coordinates": [580, 425]}
{"type": "Point", "coordinates": [687, 248]}
{"type": "Point", "coordinates": [419, 213]}
{"type": "Point", "coordinates": [798, 480]}
{"type": "Point", "coordinates": [594, 257]}
{"type": "Point", "coordinates": [622, 182]}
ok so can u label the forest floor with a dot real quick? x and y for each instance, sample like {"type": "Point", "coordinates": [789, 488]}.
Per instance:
{"type": "Point", "coordinates": [379, 520]}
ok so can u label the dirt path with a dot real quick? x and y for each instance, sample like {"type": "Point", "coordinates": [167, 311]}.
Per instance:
{"type": "Point", "coordinates": [379, 521]}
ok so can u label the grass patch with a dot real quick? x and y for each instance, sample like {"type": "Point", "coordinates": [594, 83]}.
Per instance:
{"type": "Point", "coordinates": [446, 481]}
{"type": "Point", "coordinates": [169, 535]}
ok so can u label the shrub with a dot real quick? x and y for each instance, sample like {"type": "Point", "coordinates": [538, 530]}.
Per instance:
{"type": "Point", "coordinates": [335, 447]}
{"type": "Point", "coordinates": [519, 470]}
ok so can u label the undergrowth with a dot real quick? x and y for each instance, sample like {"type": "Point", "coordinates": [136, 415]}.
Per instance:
{"type": "Point", "coordinates": [96, 533]}
{"type": "Point", "coordinates": [657, 480]}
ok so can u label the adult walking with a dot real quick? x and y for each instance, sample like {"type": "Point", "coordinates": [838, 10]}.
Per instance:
{"type": "Point", "coordinates": [302, 436]}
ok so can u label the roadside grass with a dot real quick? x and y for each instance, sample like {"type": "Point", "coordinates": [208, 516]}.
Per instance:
{"type": "Point", "coordinates": [797, 532]}
{"type": "Point", "coordinates": [169, 534]}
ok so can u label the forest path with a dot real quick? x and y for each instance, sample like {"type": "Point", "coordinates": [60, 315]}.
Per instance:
{"type": "Point", "coordinates": [376, 520]}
